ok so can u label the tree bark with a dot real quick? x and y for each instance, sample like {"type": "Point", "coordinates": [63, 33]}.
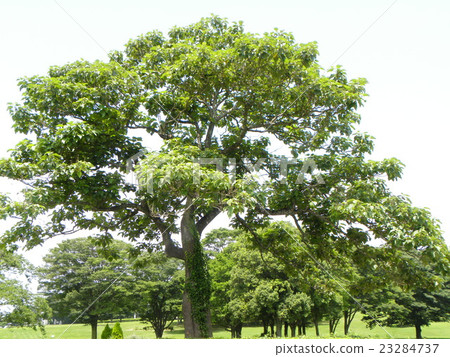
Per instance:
{"type": "Point", "coordinates": [293, 328]}
{"type": "Point", "coordinates": [265, 328]}
{"type": "Point", "coordinates": [316, 325]}
{"type": "Point", "coordinates": [191, 327]}
{"type": "Point", "coordinates": [190, 238]}
{"type": "Point", "coordinates": [418, 331]}
{"type": "Point", "coordinates": [236, 330]}
{"type": "Point", "coordinates": [348, 318]}
{"type": "Point", "coordinates": [94, 323]}
{"type": "Point", "coordinates": [333, 325]}
{"type": "Point", "coordinates": [346, 322]}
{"type": "Point", "coordinates": [239, 331]}
{"type": "Point", "coordinates": [279, 328]}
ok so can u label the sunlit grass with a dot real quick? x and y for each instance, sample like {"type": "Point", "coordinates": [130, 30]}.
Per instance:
{"type": "Point", "coordinates": [135, 329]}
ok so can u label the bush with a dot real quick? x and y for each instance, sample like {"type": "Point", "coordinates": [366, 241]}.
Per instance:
{"type": "Point", "coordinates": [117, 332]}
{"type": "Point", "coordinates": [106, 332]}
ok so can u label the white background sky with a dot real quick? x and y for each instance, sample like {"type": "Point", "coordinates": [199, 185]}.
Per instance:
{"type": "Point", "coordinates": [404, 55]}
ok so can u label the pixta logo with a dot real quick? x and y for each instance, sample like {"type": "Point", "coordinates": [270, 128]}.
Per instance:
{"type": "Point", "coordinates": [145, 180]}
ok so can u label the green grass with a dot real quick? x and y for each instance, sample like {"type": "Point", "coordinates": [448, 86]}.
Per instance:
{"type": "Point", "coordinates": [135, 329]}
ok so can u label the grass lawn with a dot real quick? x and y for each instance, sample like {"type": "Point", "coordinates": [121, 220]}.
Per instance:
{"type": "Point", "coordinates": [135, 329]}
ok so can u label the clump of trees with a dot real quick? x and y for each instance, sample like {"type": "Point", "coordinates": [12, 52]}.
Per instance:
{"type": "Point", "coordinates": [87, 283]}
{"type": "Point", "coordinates": [18, 305]}
{"type": "Point", "coordinates": [252, 286]}
{"type": "Point", "coordinates": [418, 307]}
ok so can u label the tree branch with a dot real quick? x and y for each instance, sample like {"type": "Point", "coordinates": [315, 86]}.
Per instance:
{"type": "Point", "coordinates": [207, 219]}
{"type": "Point", "coordinates": [209, 134]}
{"type": "Point", "coordinates": [172, 250]}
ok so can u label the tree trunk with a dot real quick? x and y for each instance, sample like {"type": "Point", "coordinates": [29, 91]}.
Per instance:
{"type": "Point", "coordinates": [418, 331]}
{"type": "Point", "coordinates": [286, 329]}
{"type": "Point", "coordinates": [271, 330]}
{"type": "Point", "coordinates": [265, 328]}
{"type": "Point", "coordinates": [349, 315]}
{"type": "Point", "coordinates": [333, 325]}
{"type": "Point", "coordinates": [346, 323]}
{"type": "Point", "coordinates": [239, 330]}
{"type": "Point", "coordinates": [293, 328]}
{"type": "Point", "coordinates": [93, 322]}
{"type": "Point", "coordinates": [191, 327]}
{"type": "Point", "coordinates": [316, 325]}
{"type": "Point", "coordinates": [279, 328]}
{"type": "Point", "coordinates": [159, 330]}
{"type": "Point", "coordinates": [196, 314]}
{"type": "Point", "coordinates": [304, 329]}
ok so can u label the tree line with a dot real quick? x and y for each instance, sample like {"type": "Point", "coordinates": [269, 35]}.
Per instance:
{"type": "Point", "coordinates": [86, 283]}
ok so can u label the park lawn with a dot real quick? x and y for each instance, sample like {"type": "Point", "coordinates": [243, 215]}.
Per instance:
{"type": "Point", "coordinates": [135, 329]}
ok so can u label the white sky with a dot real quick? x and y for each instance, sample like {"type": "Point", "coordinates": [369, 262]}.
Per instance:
{"type": "Point", "coordinates": [404, 56]}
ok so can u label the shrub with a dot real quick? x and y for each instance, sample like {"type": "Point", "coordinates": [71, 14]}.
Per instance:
{"type": "Point", "coordinates": [106, 332]}
{"type": "Point", "coordinates": [117, 332]}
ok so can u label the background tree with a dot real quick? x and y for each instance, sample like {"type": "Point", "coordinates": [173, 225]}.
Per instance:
{"type": "Point", "coordinates": [18, 305]}
{"type": "Point", "coordinates": [81, 283]}
{"type": "Point", "coordinates": [218, 239]}
{"type": "Point", "coordinates": [334, 312]}
{"type": "Point", "coordinates": [228, 306]}
{"type": "Point", "coordinates": [418, 307]}
{"type": "Point", "coordinates": [158, 291]}
{"type": "Point", "coordinates": [296, 310]}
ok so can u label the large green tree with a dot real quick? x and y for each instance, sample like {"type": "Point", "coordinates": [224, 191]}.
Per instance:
{"type": "Point", "coordinates": [82, 284]}
{"type": "Point", "coordinates": [208, 90]}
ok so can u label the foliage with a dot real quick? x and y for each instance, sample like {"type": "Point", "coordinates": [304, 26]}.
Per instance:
{"type": "Point", "coordinates": [417, 308]}
{"type": "Point", "coordinates": [81, 283]}
{"type": "Point", "coordinates": [158, 291]}
{"type": "Point", "coordinates": [117, 332]}
{"type": "Point", "coordinates": [198, 287]}
{"type": "Point", "coordinates": [18, 306]}
{"type": "Point", "coordinates": [106, 333]}
{"type": "Point", "coordinates": [218, 239]}
{"type": "Point", "coordinates": [209, 90]}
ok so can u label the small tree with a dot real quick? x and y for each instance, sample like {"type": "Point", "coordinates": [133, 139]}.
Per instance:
{"type": "Point", "coordinates": [106, 333]}
{"type": "Point", "coordinates": [296, 309]}
{"type": "Point", "coordinates": [159, 290]}
{"type": "Point", "coordinates": [117, 332]}
{"type": "Point", "coordinates": [161, 305]}
{"type": "Point", "coordinates": [334, 312]}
